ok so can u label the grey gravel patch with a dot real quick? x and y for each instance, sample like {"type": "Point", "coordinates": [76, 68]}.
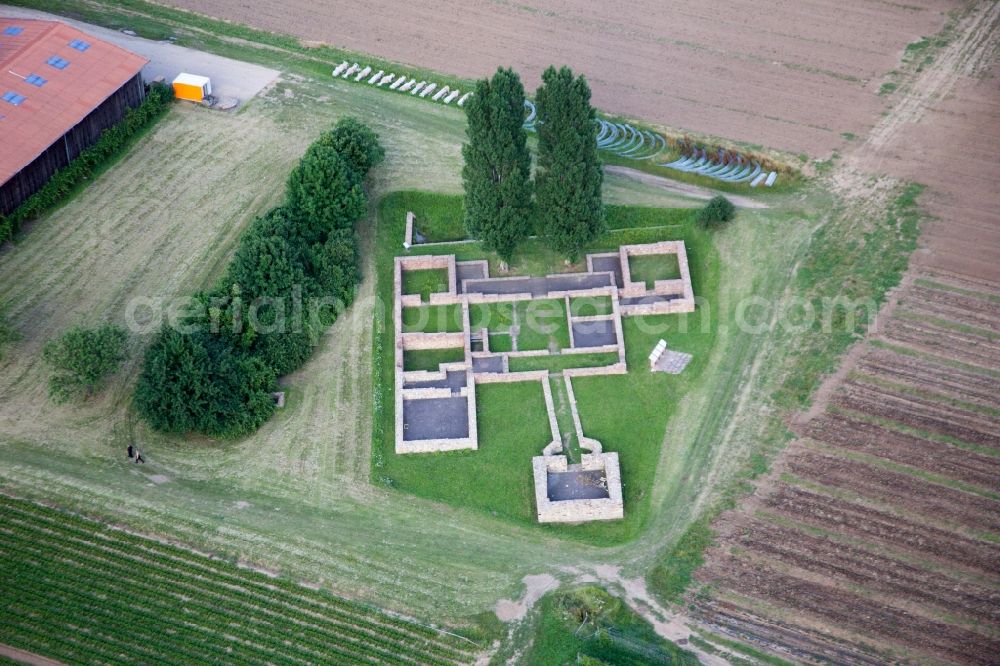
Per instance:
{"type": "Point", "coordinates": [594, 333]}
{"type": "Point", "coordinates": [672, 362]}
{"type": "Point", "coordinates": [435, 418]}
{"type": "Point", "coordinates": [577, 484]}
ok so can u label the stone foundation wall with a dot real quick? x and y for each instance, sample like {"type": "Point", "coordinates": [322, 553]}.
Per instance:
{"type": "Point", "coordinates": [578, 511]}
{"type": "Point", "coordinates": [437, 445]}
{"type": "Point", "coordinates": [511, 377]}
{"type": "Point", "coordinates": [666, 307]}
{"type": "Point", "coordinates": [413, 341]}
{"type": "Point", "coordinates": [408, 235]}
{"type": "Point", "coordinates": [616, 369]}
{"type": "Point", "coordinates": [681, 287]}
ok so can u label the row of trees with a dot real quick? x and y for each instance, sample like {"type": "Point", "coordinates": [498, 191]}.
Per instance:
{"type": "Point", "coordinates": [293, 272]}
{"type": "Point", "coordinates": [499, 209]}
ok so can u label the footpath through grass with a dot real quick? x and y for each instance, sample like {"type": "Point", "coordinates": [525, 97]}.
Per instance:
{"type": "Point", "coordinates": [626, 413]}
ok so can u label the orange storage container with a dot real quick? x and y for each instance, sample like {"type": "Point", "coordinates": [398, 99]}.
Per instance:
{"type": "Point", "coordinates": [192, 87]}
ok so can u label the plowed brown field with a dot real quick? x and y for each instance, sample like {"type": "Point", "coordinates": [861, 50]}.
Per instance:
{"type": "Point", "coordinates": [876, 535]}
{"type": "Point", "coordinates": [788, 75]}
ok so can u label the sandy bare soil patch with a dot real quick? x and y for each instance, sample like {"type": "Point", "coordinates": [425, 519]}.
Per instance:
{"type": "Point", "coordinates": [789, 75]}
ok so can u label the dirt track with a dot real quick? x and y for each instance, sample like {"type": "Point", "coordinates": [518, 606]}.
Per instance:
{"type": "Point", "coordinates": [768, 72]}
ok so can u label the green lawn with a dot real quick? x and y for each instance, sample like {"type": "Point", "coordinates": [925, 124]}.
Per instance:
{"type": "Point", "coordinates": [542, 324]}
{"type": "Point", "coordinates": [430, 359]}
{"type": "Point", "coordinates": [588, 306]}
{"type": "Point", "coordinates": [435, 216]}
{"type": "Point", "coordinates": [497, 317]}
{"type": "Point", "coordinates": [513, 426]}
{"type": "Point", "coordinates": [433, 319]}
{"type": "Point", "coordinates": [501, 342]}
{"type": "Point", "coordinates": [626, 413]}
{"type": "Point", "coordinates": [653, 267]}
{"type": "Point", "coordinates": [559, 362]}
{"type": "Point", "coordinates": [425, 282]}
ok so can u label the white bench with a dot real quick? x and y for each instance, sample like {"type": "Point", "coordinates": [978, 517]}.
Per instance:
{"type": "Point", "coordinates": [440, 93]}
{"type": "Point", "coordinates": [363, 73]}
{"type": "Point", "coordinates": [657, 352]}
{"type": "Point", "coordinates": [375, 77]}
{"type": "Point", "coordinates": [451, 96]}
{"type": "Point", "coordinates": [428, 89]}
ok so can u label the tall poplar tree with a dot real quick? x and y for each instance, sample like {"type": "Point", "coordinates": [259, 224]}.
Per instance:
{"type": "Point", "coordinates": [569, 176]}
{"type": "Point", "coordinates": [497, 171]}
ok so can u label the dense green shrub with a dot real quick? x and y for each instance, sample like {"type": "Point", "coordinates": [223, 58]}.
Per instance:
{"type": "Point", "coordinates": [195, 382]}
{"type": "Point", "coordinates": [82, 358]}
{"type": "Point", "coordinates": [716, 212]}
{"type": "Point", "coordinates": [112, 141]}
{"type": "Point", "coordinates": [357, 143]}
{"type": "Point", "coordinates": [324, 193]}
{"type": "Point", "coordinates": [293, 272]}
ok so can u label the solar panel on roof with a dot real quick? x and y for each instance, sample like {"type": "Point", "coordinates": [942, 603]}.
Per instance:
{"type": "Point", "coordinates": [13, 30]}
{"type": "Point", "coordinates": [79, 45]}
{"type": "Point", "coordinates": [57, 62]}
{"type": "Point", "coordinates": [36, 80]}
{"type": "Point", "coordinates": [12, 97]}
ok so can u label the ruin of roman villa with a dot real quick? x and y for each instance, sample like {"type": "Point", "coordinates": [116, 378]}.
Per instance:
{"type": "Point", "coordinates": [435, 409]}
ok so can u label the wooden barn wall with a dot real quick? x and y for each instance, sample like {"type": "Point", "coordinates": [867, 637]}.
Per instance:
{"type": "Point", "coordinates": [85, 133]}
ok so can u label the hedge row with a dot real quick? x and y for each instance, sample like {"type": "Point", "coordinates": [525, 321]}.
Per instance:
{"type": "Point", "coordinates": [294, 270]}
{"type": "Point", "coordinates": [110, 144]}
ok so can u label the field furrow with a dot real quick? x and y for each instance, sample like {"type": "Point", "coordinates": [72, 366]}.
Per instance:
{"type": "Point", "coordinates": [925, 374]}
{"type": "Point", "coordinates": [853, 434]}
{"type": "Point", "coordinates": [890, 530]}
{"type": "Point", "coordinates": [921, 413]}
{"type": "Point", "coordinates": [838, 561]}
{"type": "Point", "coordinates": [905, 493]}
{"type": "Point", "coordinates": [854, 612]}
{"type": "Point", "coordinates": [185, 607]}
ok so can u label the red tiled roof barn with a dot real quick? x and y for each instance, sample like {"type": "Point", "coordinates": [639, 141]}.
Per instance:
{"type": "Point", "coordinates": [59, 89]}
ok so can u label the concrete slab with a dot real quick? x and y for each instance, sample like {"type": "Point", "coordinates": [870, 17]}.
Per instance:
{"type": "Point", "coordinates": [435, 418]}
{"type": "Point", "coordinates": [610, 265]}
{"type": "Point", "coordinates": [487, 364]}
{"type": "Point", "coordinates": [594, 333]}
{"type": "Point", "coordinates": [539, 286]}
{"type": "Point", "coordinates": [672, 362]}
{"type": "Point", "coordinates": [643, 300]}
{"type": "Point", "coordinates": [469, 271]}
{"type": "Point", "coordinates": [454, 379]}
{"type": "Point", "coordinates": [577, 484]}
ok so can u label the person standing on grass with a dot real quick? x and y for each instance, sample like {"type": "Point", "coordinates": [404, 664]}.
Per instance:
{"type": "Point", "coordinates": [138, 457]}
{"type": "Point", "coordinates": [130, 450]}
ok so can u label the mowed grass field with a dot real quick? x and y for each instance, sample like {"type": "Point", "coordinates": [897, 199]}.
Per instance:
{"type": "Point", "coordinates": [296, 495]}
